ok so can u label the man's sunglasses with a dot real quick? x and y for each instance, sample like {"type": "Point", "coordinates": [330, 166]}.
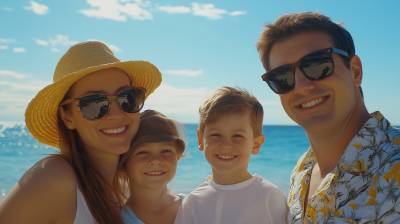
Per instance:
{"type": "Point", "coordinates": [94, 106]}
{"type": "Point", "coordinates": [315, 66]}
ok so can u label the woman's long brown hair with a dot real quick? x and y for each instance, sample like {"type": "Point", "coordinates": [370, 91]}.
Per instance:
{"type": "Point", "coordinates": [99, 194]}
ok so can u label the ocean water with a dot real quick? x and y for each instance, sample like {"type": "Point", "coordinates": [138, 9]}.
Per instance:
{"type": "Point", "coordinates": [279, 154]}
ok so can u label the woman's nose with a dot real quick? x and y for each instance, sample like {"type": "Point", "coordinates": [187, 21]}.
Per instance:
{"type": "Point", "coordinates": [115, 112]}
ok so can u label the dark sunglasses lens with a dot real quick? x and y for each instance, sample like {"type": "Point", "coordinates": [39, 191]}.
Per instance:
{"type": "Point", "coordinates": [281, 79]}
{"type": "Point", "coordinates": [94, 106]}
{"type": "Point", "coordinates": [131, 100]}
{"type": "Point", "coordinates": [317, 66]}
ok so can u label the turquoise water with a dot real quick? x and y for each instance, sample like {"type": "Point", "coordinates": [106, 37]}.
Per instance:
{"type": "Point", "coordinates": [277, 157]}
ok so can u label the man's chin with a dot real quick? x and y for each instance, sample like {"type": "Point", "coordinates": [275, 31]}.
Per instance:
{"type": "Point", "coordinates": [316, 123]}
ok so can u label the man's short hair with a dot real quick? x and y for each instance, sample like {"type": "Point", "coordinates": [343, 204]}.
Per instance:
{"type": "Point", "coordinates": [289, 25]}
{"type": "Point", "coordinates": [230, 100]}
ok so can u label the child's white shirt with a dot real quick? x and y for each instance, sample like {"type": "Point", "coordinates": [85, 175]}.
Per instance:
{"type": "Point", "coordinates": [253, 201]}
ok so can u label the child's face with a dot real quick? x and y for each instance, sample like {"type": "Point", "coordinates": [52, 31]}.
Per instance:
{"type": "Point", "coordinates": [152, 165]}
{"type": "Point", "coordinates": [229, 143]}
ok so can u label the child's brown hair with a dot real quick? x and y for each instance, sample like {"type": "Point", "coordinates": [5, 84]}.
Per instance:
{"type": "Point", "coordinates": [227, 100]}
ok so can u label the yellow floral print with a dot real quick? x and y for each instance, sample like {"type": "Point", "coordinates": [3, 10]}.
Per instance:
{"type": "Point", "coordinates": [359, 166]}
{"type": "Point", "coordinates": [396, 141]}
{"type": "Point", "coordinates": [353, 205]}
{"type": "Point", "coordinates": [393, 174]}
{"type": "Point", "coordinates": [365, 182]}
{"type": "Point", "coordinates": [357, 145]}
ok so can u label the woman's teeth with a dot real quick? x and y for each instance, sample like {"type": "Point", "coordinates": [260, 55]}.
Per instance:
{"type": "Point", "coordinates": [225, 157]}
{"type": "Point", "coordinates": [113, 131]}
{"type": "Point", "coordinates": [312, 103]}
{"type": "Point", "coordinates": [155, 173]}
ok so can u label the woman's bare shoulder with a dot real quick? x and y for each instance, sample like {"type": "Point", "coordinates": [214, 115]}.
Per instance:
{"type": "Point", "coordinates": [43, 194]}
{"type": "Point", "coordinates": [49, 172]}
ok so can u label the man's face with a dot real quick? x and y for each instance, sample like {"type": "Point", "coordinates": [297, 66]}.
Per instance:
{"type": "Point", "coordinates": [334, 96]}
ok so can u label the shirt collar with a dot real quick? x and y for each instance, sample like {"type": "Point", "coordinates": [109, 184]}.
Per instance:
{"type": "Point", "coordinates": [377, 122]}
{"type": "Point", "coordinates": [232, 186]}
{"type": "Point", "coordinates": [371, 132]}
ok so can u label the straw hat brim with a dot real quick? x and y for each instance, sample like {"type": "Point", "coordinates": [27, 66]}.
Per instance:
{"type": "Point", "coordinates": [41, 114]}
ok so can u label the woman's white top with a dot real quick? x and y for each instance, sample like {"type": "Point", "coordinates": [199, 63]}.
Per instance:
{"type": "Point", "coordinates": [83, 215]}
{"type": "Point", "coordinates": [253, 201]}
{"type": "Point", "coordinates": [128, 217]}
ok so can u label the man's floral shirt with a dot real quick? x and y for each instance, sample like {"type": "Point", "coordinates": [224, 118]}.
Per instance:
{"type": "Point", "coordinates": [364, 187]}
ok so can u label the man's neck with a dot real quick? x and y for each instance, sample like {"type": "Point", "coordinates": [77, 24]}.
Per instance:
{"type": "Point", "coordinates": [330, 144]}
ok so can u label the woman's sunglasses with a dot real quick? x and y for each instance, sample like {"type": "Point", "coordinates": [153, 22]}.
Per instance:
{"type": "Point", "coordinates": [315, 66]}
{"type": "Point", "coordinates": [94, 106]}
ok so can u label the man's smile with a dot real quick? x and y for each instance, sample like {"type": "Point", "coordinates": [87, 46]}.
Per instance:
{"type": "Point", "coordinates": [312, 103]}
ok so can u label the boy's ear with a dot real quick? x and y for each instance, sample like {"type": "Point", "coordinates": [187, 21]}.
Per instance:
{"type": "Point", "coordinates": [65, 116]}
{"type": "Point", "coordinates": [179, 157]}
{"type": "Point", "coordinates": [257, 143]}
{"type": "Point", "coordinates": [200, 140]}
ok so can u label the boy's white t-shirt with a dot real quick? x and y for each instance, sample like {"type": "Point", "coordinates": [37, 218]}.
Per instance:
{"type": "Point", "coordinates": [256, 200]}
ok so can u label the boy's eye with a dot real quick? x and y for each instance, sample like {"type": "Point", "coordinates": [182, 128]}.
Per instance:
{"type": "Point", "coordinates": [166, 151]}
{"type": "Point", "coordinates": [215, 134]}
{"type": "Point", "coordinates": [238, 136]}
{"type": "Point", "coordinates": [142, 152]}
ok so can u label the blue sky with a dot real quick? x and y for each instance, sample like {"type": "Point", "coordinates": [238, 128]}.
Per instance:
{"type": "Point", "coordinates": [198, 46]}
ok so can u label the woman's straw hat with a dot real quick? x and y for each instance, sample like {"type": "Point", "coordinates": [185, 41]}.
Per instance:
{"type": "Point", "coordinates": [156, 127]}
{"type": "Point", "coordinates": [80, 60]}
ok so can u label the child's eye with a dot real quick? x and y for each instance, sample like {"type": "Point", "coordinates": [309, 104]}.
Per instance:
{"type": "Point", "coordinates": [238, 136]}
{"type": "Point", "coordinates": [215, 134]}
{"type": "Point", "coordinates": [166, 151]}
{"type": "Point", "coordinates": [142, 152]}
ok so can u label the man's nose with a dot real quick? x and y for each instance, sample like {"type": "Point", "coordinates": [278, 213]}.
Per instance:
{"type": "Point", "coordinates": [302, 85]}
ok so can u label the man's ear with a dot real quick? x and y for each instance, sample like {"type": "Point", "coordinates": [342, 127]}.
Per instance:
{"type": "Point", "coordinates": [356, 70]}
{"type": "Point", "coordinates": [65, 116]}
{"type": "Point", "coordinates": [200, 140]}
{"type": "Point", "coordinates": [257, 143]}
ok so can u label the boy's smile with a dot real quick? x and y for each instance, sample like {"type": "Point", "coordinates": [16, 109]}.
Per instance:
{"type": "Point", "coordinates": [228, 144]}
{"type": "Point", "coordinates": [225, 157]}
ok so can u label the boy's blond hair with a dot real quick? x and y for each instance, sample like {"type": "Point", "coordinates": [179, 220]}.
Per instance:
{"type": "Point", "coordinates": [228, 100]}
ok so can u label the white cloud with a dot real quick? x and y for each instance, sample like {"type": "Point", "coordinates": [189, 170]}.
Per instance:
{"type": "Point", "coordinates": [3, 47]}
{"type": "Point", "coordinates": [7, 41]}
{"type": "Point", "coordinates": [184, 72]}
{"type": "Point", "coordinates": [16, 95]}
{"type": "Point", "coordinates": [19, 50]}
{"type": "Point", "coordinates": [36, 86]}
{"type": "Point", "coordinates": [238, 13]}
{"type": "Point", "coordinates": [37, 8]}
{"type": "Point", "coordinates": [60, 41]}
{"type": "Point", "coordinates": [117, 10]}
{"type": "Point", "coordinates": [207, 10]}
{"type": "Point", "coordinates": [114, 48]}
{"type": "Point", "coordinates": [111, 46]}
{"type": "Point", "coordinates": [178, 101]}
{"type": "Point", "coordinates": [14, 104]}
{"type": "Point", "coordinates": [11, 73]}
{"type": "Point", "coordinates": [41, 42]}
{"type": "Point", "coordinates": [173, 9]}
{"type": "Point", "coordinates": [7, 9]}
